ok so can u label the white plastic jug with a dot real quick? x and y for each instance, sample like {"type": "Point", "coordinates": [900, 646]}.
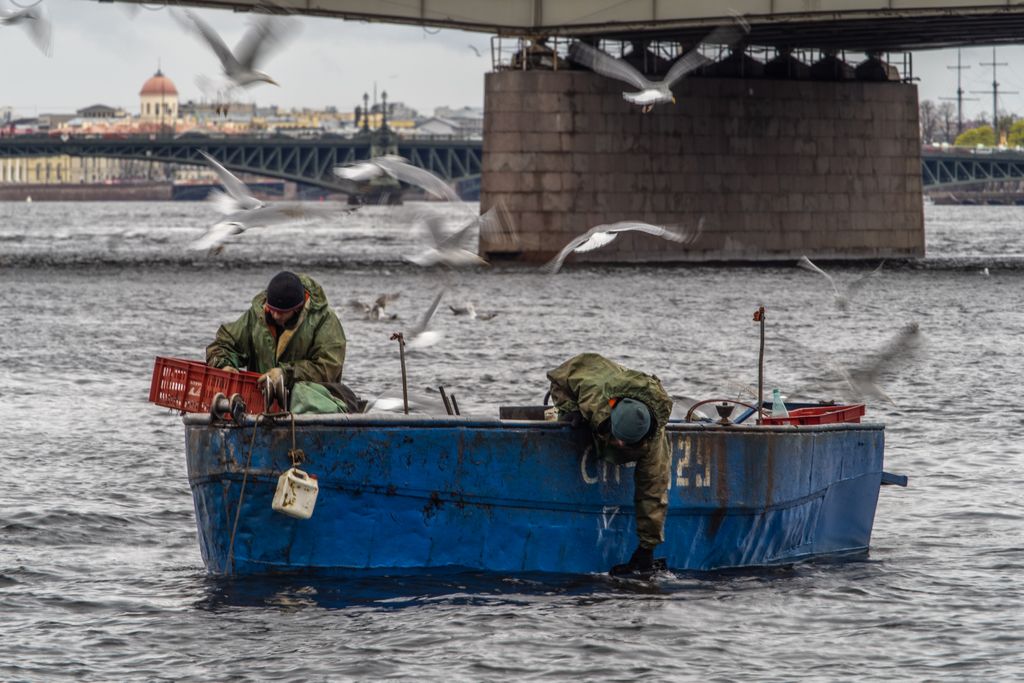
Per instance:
{"type": "Point", "coordinates": [296, 494]}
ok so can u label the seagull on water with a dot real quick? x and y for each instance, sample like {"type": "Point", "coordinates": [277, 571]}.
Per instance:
{"type": "Point", "coordinates": [842, 297]}
{"type": "Point", "coordinates": [35, 23]}
{"type": "Point", "coordinates": [241, 210]}
{"type": "Point", "coordinates": [376, 310]}
{"type": "Point", "coordinates": [651, 92]}
{"type": "Point", "coordinates": [600, 235]}
{"type": "Point", "coordinates": [420, 335]}
{"type": "Point", "coordinates": [239, 66]}
{"type": "Point", "coordinates": [401, 170]}
{"type": "Point", "coordinates": [470, 311]}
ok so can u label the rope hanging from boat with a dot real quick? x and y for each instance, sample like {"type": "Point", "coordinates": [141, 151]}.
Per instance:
{"type": "Point", "coordinates": [297, 457]}
{"type": "Point", "coordinates": [241, 494]}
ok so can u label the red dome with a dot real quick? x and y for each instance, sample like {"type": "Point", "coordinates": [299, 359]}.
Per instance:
{"type": "Point", "coordinates": [158, 85]}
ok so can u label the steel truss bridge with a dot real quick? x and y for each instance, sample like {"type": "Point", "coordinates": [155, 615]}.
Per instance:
{"type": "Point", "coordinates": [303, 161]}
{"type": "Point", "coordinates": [964, 167]}
{"type": "Point", "coordinates": [456, 160]}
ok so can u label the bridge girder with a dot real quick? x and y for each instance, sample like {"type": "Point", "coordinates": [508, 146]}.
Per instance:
{"type": "Point", "coordinates": [312, 161]}
{"type": "Point", "coordinates": [891, 25]}
{"type": "Point", "coordinates": [941, 171]}
{"type": "Point", "coordinates": [305, 161]}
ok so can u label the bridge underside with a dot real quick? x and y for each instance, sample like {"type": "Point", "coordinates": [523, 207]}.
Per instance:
{"type": "Point", "coordinates": [839, 24]}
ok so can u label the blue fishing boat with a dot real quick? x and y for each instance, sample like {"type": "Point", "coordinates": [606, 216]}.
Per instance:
{"type": "Point", "coordinates": [407, 493]}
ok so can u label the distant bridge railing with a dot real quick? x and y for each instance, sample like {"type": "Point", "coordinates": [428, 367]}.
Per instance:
{"type": "Point", "coordinates": [308, 161]}
{"type": "Point", "coordinates": [958, 167]}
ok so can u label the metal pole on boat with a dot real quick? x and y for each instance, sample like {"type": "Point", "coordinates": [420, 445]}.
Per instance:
{"type": "Point", "coordinates": [405, 383]}
{"type": "Point", "coordinates": [759, 317]}
{"type": "Point", "coordinates": [444, 398]}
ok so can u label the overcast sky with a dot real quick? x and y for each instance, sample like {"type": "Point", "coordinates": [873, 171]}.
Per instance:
{"type": "Point", "coordinates": [102, 55]}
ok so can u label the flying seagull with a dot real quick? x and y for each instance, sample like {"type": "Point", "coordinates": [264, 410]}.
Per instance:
{"type": "Point", "coordinates": [842, 297]}
{"type": "Point", "coordinates": [239, 66]}
{"type": "Point", "coordinates": [241, 210]}
{"type": "Point", "coordinates": [238, 197]}
{"type": "Point", "coordinates": [451, 249]}
{"type": "Point", "coordinates": [862, 380]}
{"type": "Point", "coordinates": [237, 223]}
{"type": "Point", "coordinates": [600, 235]}
{"type": "Point", "coordinates": [420, 335]}
{"type": "Point", "coordinates": [34, 21]}
{"type": "Point", "coordinates": [401, 170]}
{"type": "Point", "coordinates": [651, 92]}
{"type": "Point", "coordinates": [419, 402]}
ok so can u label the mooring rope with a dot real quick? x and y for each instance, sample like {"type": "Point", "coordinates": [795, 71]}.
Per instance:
{"type": "Point", "coordinates": [241, 495]}
{"type": "Point", "coordinates": [294, 454]}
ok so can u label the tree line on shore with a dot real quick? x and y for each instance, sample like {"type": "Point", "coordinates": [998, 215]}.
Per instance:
{"type": "Point", "coordinates": [939, 123]}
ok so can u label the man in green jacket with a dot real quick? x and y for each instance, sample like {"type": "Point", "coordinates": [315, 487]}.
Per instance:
{"type": "Point", "coordinates": [291, 335]}
{"type": "Point", "coordinates": [627, 412]}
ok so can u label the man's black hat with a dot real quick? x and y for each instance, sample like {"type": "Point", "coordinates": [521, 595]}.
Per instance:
{"type": "Point", "coordinates": [285, 292]}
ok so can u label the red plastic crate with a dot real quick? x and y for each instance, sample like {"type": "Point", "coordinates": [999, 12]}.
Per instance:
{"type": "Point", "coordinates": [819, 415]}
{"type": "Point", "coordinates": [189, 386]}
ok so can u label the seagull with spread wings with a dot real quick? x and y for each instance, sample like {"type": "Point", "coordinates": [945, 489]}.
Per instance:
{"type": "Point", "coordinates": [861, 381]}
{"type": "Point", "coordinates": [842, 296]}
{"type": "Point", "coordinates": [420, 335]}
{"type": "Point", "coordinates": [239, 66]}
{"type": "Point", "coordinates": [401, 170]}
{"type": "Point", "coordinates": [600, 235]}
{"type": "Point", "coordinates": [34, 21]}
{"type": "Point", "coordinates": [451, 249]}
{"type": "Point", "coordinates": [651, 92]}
{"type": "Point", "coordinates": [241, 210]}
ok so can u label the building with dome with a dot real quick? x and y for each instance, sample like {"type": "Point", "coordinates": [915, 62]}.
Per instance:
{"type": "Point", "coordinates": [158, 100]}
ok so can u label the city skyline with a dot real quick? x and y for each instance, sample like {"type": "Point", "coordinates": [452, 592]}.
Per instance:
{"type": "Point", "coordinates": [422, 68]}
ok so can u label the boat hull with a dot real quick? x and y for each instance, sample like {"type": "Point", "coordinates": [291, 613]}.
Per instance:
{"type": "Point", "coordinates": [409, 493]}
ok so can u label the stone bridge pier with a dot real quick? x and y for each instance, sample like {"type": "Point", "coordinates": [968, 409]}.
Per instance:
{"type": "Point", "coordinates": [775, 168]}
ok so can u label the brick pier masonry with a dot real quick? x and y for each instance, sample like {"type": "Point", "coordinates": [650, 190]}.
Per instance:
{"type": "Point", "coordinates": [775, 168]}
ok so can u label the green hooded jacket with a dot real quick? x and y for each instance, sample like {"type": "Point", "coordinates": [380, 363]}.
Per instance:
{"type": "Point", "coordinates": [313, 350]}
{"type": "Point", "coordinates": [588, 381]}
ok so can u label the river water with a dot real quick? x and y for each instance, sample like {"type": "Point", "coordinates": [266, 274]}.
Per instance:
{"type": "Point", "coordinates": [100, 573]}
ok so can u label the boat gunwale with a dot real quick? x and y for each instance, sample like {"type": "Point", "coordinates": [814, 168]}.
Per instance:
{"type": "Point", "coordinates": [363, 420]}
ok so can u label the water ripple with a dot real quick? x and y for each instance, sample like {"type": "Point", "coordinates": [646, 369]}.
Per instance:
{"type": "Point", "coordinates": [102, 579]}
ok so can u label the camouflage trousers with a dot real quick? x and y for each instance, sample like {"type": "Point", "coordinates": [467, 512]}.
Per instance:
{"type": "Point", "coordinates": [650, 488]}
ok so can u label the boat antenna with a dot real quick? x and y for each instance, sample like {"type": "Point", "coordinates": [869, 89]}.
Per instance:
{"type": "Point", "coordinates": [401, 354]}
{"type": "Point", "coordinates": [759, 318]}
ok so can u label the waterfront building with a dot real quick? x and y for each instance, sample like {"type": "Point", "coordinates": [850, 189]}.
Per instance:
{"type": "Point", "coordinates": [158, 100]}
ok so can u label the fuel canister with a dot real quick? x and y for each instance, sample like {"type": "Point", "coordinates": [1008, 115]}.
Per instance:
{"type": "Point", "coordinates": [296, 494]}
